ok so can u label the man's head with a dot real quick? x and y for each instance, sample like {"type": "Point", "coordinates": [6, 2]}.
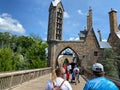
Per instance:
{"type": "Point", "coordinates": [98, 69]}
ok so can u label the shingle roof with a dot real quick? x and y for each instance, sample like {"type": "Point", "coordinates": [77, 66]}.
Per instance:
{"type": "Point", "coordinates": [55, 2]}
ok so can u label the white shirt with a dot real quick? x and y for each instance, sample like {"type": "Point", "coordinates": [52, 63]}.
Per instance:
{"type": "Point", "coordinates": [59, 80]}
{"type": "Point", "coordinates": [65, 86]}
{"type": "Point", "coordinates": [69, 67]}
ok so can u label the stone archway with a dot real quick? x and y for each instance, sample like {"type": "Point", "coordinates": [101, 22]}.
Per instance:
{"type": "Point", "coordinates": [58, 46]}
{"type": "Point", "coordinates": [82, 49]}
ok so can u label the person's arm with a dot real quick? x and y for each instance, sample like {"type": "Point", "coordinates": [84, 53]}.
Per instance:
{"type": "Point", "coordinates": [47, 86]}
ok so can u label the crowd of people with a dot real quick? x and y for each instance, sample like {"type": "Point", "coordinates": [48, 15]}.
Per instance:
{"type": "Point", "coordinates": [61, 78]}
{"type": "Point", "coordinates": [72, 73]}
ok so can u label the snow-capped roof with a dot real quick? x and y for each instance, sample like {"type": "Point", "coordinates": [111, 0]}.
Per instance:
{"type": "Point", "coordinates": [104, 44]}
{"type": "Point", "coordinates": [55, 2]}
{"type": "Point", "coordinates": [118, 34]}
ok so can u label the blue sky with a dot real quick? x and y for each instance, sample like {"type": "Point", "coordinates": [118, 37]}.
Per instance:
{"type": "Point", "coordinates": [23, 17]}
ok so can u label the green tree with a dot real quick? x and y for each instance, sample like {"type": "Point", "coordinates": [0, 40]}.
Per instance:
{"type": "Point", "coordinates": [6, 60]}
{"type": "Point", "coordinates": [21, 52]}
{"type": "Point", "coordinates": [36, 55]}
{"type": "Point", "coordinates": [109, 63]}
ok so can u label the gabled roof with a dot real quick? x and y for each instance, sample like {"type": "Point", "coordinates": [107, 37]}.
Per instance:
{"type": "Point", "coordinates": [101, 44]}
{"type": "Point", "coordinates": [94, 36]}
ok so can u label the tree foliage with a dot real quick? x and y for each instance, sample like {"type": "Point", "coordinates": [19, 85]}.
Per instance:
{"type": "Point", "coordinates": [109, 63]}
{"type": "Point", "coordinates": [21, 52]}
{"type": "Point", "coordinates": [6, 60]}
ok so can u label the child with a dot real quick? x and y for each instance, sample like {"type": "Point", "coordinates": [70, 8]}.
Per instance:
{"type": "Point", "coordinates": [67, 75]}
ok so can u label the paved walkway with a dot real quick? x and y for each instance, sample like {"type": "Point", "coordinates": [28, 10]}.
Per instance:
{"type": "Point", "coordinates": [39, 84]}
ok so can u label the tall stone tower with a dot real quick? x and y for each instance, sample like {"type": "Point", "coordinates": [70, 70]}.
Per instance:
{"type": "Point", "coordinates": [55, 25]}
{"type": "Point", "coordinates": [113, 21]}
{"type": "Point", "coordinates": [55, 21]}
{"type": "Point", "coordinates": [112, 39]}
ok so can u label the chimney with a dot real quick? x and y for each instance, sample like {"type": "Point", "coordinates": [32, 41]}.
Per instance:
{"type": "Point", "coordinates": [87, 22]}
{"type": "Point", "coordinates": [100, 37]}
{"type": "Point", "coordinates": [89, 19]}
{"type": "Point", "coordinates": [113, 21]}
{"type": "Point", "coordinates": [85, 29]}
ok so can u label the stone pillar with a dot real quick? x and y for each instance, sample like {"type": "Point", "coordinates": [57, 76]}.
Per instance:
{"type": "Point", "coordinates": [113, 21]}
{"type": "Point", "coordinates": [51, 54]}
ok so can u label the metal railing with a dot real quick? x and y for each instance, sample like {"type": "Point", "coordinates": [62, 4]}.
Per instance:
{"type": "Point", "coordinates": [9, 80]}
{"type": "Point", "coordinates": [89, 75]}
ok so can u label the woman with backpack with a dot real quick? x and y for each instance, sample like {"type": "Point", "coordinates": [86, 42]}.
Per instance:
{"type": "Point", "coordinates": [60, 83]}
{"type": "Point", "coordinates": [50, 84]}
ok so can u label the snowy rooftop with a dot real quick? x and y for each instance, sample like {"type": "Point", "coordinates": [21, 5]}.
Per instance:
{"type": "Point", "coordinates": [104, 44]}
{"type": "Point", "coordinates": [55, 2]}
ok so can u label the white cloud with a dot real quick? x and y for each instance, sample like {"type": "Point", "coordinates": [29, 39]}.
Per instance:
{"type": "Point", "coordinates": [66, 15]}
{"type": "Point", "coordinates": [7, 23]}
{"type": "Point", "coordinates": [80, 12]}
{"type": "Point", "coordinates": [73, 39]}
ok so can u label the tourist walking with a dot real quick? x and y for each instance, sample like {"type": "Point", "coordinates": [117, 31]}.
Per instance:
{"type": "Point", "coordinates": [99, 82]}
{"type": "Point", "coordinates": [50, 84]}
{"type": "Point", "coordinates": [76, 74]}
{"type": "Point", "coordinates": [59, 82]}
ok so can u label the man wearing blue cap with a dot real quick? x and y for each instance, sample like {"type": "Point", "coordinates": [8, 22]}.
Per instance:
{"type": "Point", "coordinates": [99, 82]}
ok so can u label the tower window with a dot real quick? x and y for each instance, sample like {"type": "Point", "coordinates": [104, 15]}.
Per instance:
{"type": "Point", "coordinates": [60, 10]}
{"type": "Point", "coordinates": [95, 53]}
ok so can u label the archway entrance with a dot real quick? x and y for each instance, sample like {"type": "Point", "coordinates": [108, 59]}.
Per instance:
{"type": "Point", "coordinates": [68, 57]}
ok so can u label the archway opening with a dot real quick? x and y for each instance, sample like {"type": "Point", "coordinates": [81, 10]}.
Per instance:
{"type": "Point", "coordinates": [68, 57]}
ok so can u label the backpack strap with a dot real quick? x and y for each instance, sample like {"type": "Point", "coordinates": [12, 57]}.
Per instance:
{"type": "Point", "coordinates": [53, 84]}
{"type": "Point", "coordinates": [61, 83]}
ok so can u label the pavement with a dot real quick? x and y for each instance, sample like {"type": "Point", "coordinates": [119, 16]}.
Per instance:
{"type": "Point", "coordinates": [40, 83]}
